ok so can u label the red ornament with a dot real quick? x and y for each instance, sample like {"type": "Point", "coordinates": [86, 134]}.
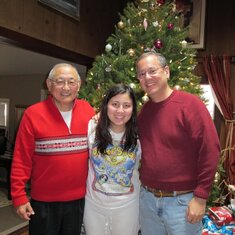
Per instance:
{"type": "Point", "coordinates": [158, 44]}
{"type": "Point", "coordinates": [170, 26]}
{"type": "Point", "coordinates": [160, 2]}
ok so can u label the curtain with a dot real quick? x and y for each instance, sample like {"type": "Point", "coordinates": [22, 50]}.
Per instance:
{"type": "Point", "coordinates": [218, 71]}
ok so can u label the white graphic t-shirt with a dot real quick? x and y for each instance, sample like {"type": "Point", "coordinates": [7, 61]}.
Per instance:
{"type": "Point", "coordinates": [113, 177]}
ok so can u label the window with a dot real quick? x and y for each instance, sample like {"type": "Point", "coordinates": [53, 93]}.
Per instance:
{"type": "Point", "coordinates": [208, 96]}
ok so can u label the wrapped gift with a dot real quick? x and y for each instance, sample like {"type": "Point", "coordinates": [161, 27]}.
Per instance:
{"type": "Point", "coordinates": [209, 228]}
{"type": "Point", "coordinates": [220, 215]}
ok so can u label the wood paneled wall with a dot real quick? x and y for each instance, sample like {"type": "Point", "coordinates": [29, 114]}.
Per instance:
{"type": "Point", "coordinates": [86, 37]}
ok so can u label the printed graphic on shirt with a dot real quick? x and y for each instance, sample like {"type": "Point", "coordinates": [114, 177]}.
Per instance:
{"type": "Point", "coordinates": [113, 170]}
{"type": "Point", "coordinates": [61, 145]}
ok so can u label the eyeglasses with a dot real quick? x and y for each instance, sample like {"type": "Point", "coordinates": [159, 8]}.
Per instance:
{"type": "Point", "coordinates": [61, 83]}
{"type": "Point", "coordinates": [150, 72]}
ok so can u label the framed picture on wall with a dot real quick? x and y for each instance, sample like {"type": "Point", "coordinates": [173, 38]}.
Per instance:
{"type": "Point", "coordinates": [197, 24]}
{"type": "Point", "coordinates": [4, 112]}
{"type": "Point", "coordinates": [70, 8]}
{"type": "Point", "coordinates": [193, 17]}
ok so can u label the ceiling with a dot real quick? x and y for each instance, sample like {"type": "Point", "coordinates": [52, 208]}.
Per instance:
{"type": "Point", "coordinates": [18, 61]}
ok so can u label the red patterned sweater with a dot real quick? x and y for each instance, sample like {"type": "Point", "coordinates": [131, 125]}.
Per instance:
{"type": "Point", "coordinates": [54, 158]}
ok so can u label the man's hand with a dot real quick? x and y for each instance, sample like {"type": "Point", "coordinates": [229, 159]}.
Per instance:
{"type": "Point", "coordinates": [96, 117]}
{"type": "Point", "coordinates": [25, 211]}
{"type": "Point", "coordinates": [196, 210]}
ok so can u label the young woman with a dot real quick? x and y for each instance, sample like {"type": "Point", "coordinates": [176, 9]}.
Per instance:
{"type": "Point", "coordinates": [112, 198]}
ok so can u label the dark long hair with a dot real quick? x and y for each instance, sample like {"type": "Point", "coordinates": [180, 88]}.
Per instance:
{"type": "Point", "coordinates": [102, 136]}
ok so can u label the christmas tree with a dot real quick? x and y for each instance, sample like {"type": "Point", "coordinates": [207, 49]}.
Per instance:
{"type": "Point", "coordinates": [145, 25]}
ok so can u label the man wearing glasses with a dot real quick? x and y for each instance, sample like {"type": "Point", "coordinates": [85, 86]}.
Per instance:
{"type": "Point", "coordinates": [180, 151]}
{"type": "Point", "coordinates": [51, 151]}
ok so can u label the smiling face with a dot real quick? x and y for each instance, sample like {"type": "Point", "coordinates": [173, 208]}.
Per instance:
{"type": "Point", "coordinates": [119, 111]}
{"type": "Point", "coordinates": [64, 86]}
{"type": "Point", "coordinates": [153, 78]}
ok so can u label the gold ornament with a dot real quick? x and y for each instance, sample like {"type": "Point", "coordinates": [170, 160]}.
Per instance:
{"type": "Point", "coordinates": [174, 7]}
{"type": "Point", "coordinates": [152, 6]}
{"type": "Point", "coordinates": [120, 25]}
{"type": "Point", "coordinates": [131, 52]}
{"type": "Point", "coordinates": [191, 61]}
{"type": "Point", "coordinates": [142, 47]}
{"type": "Point", "coordinates": [159, 27]}
{"type": "Point", "coordinates": [177, 87]}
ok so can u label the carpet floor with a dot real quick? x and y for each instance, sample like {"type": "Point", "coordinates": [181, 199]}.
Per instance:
{"type": "Point", "coordinates": [3, 198]}
{"type": "Point", "coordinates": [9, 221]}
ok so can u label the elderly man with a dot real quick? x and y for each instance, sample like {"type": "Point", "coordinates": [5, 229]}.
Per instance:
{"type": "Point", "coordinates": [51, 151]}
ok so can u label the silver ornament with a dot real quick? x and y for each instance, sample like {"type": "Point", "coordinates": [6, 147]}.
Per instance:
{"type": "Point", "coordinates": [108, 47]}
{"type": "Point", "coordinates": [108, 69]}
{"type": "Point", "coordinates": [145, 98]}
{"type": "Point", "coordinates": [132, 85]}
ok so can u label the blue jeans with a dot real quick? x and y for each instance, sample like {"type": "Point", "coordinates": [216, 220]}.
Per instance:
{"type": "Point", "coordinates": [166, 215]}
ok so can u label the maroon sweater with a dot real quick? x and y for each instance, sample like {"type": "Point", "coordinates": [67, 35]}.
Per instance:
{"type": "Point", "coordinates": [179, 143]}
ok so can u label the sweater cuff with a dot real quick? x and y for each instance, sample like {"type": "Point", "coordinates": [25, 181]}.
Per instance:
{"type": "Point", "coordinates": [201, 193]}
{"type": "Point", "coordinates": [20, 201]}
